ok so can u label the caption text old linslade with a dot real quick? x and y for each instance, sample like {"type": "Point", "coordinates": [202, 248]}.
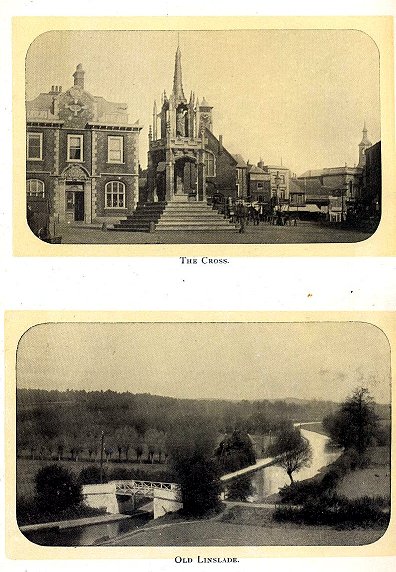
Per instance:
{"type": "Point", "coordinates": [205, 560]}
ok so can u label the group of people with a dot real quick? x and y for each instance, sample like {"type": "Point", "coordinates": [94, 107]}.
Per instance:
{"type": "Point", "coordinates": [242, 214]}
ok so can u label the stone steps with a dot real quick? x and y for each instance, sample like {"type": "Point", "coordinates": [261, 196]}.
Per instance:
{"type": "Point", "coordinates": [178, 215]}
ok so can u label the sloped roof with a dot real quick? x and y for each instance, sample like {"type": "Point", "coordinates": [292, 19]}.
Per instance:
{"type": "Point", "coordinates": [208, 133]}
{"type": "Point", "coordinates": [256, 170]}
{"type": "Point", "coordinates": [44, 103]}
{"type": "Point", "coordinates": [312, 173]}
{"type": "Point", "coordinates": [296, 186]}
{"type": "Point", "coordinates": [240, 160]}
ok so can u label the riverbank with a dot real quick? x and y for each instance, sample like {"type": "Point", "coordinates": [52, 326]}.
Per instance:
{"type": "Point", "coordinates": [242, 526]}
{"type": "Point", "coordinates": [101, 519]}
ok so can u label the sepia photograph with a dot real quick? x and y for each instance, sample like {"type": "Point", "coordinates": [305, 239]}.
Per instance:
{"type": "Point", "coordinates": [177, 434]}
{"type": "Point", "coordinates": [255, 136]}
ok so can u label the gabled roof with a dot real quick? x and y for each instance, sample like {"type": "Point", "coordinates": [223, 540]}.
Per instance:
{"type": "Point", "coordinates": [256, 170]}
{"type": "Point", "coordinates": [209, 134]}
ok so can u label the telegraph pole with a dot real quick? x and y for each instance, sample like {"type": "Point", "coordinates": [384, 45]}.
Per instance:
{"type": "Point", "coordinates": [101, 456]}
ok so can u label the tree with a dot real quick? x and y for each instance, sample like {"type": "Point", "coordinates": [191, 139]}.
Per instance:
{"type": "Point", "coordinates": [355, 425]}
{"type": "Point", "coordinates": [236, 451]}
{"type": "Point", "coordinates": [92, 441]}
{"type": "Point", "coordinates": [161, 445]}
{"type": "Point", "coordinates": [151, 439]}
{"type": "Point", "coordinates": [292, 451]}
{"type": "Point", "coordinates": [190, 444]}
{"type": "Point", "coordinates": [56, 489]}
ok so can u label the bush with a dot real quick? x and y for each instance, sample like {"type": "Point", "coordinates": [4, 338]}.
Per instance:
{"type": "Point", "coordinates": [120, 474]}
{"type": "Point", "coordinates": [56, 489]}
{"type": "Point", "coordinates": [300, 491]}
{"type": "Point", "coordinates": [335, 510]}
{"type": "Point", "coordinates": [240, 489]}
{"type": "Point", "coordinates": [91, 476]}
{"type": "Point", "coordinates": [28, 512]}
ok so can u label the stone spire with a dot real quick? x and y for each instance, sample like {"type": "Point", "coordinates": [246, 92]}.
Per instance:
{"type": "Point", "coordinates": [365, 141]}
{"type": "Point", "coordinates": [364, 144]}
{"type": "Point", "coordinates": [177, 92]}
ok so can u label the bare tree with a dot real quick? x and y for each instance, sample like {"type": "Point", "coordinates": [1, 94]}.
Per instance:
{"type": "Point", "coordinates": [292, 452]}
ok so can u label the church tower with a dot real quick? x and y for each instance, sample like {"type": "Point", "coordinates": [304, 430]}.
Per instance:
{"type": "Point", "coordinates": [176, 153]}
{"type": "Point", "coordinates": [363, 145]}
{"type": "Point", "coordinates": [204, 116]}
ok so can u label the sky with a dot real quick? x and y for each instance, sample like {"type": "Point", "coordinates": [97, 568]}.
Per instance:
{"type": "Point", "coordinates": [325, 360]}
{"type": "Point", "coordinates": [296, 96]}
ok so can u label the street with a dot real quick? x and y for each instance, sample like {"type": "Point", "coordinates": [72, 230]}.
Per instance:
{"type": "Point", "coordinates": [305, 232]}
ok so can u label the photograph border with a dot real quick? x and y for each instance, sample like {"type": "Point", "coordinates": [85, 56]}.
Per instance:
{"type": "Point", "coordinates": [18, 547]}
{"type": "Point", "coordinates": [379, 28]}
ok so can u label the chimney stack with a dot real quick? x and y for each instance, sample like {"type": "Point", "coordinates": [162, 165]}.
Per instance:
{"type": "Point", "coordinates": [220, 144]}
{"type": "Point", "coordinates": [79, 76]}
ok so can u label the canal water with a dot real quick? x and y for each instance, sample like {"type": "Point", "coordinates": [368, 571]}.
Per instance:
{"type": "Point", "coordinates": [265, 482]}
{"type": "Point", "coordinates": [269, 480]}
{"type": "Point", "coordinates": [88, 535]}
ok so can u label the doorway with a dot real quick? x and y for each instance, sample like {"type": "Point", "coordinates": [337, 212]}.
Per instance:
{"type": "Point", "coordinates": [78, 205]}
{"type": "Point", "coordinates": [75, 203]}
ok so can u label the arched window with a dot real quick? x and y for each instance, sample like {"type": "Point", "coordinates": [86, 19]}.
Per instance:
{"type": "Point", "coordinates": [115, 195]}
{"type": "Point", "coordinates": [210, 164]}
{"type": "Point", "coordinates": [34, 188]}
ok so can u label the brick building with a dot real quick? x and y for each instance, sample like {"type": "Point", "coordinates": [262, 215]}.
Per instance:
{"type": "Point", "coordinates": [258, 185]}
{"type": "Point", "coordinates": [372, 179]}
{"type": "Point", "coordinates": [340, 187]}
{"type": "Point", "coordinates": [241, 177]}
{"type": "Point", "coordinates": [82, 154]}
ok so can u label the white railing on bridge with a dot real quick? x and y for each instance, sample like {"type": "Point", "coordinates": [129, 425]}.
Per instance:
{"type": "Point", "coordinates": [134, 486]}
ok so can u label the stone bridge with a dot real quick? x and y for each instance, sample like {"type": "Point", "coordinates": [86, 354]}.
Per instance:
{"type": "Point", "coordinates": [120, 496]}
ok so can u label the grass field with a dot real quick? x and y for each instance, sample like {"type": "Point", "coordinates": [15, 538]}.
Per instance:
{"type": "Point", "coordinates": [27, 469]}
{"type": "Point", "coordinates": [371, 481]}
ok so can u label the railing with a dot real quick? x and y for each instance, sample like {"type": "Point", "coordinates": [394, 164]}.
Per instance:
{"type": "Point", "coordinates": [131, 487]}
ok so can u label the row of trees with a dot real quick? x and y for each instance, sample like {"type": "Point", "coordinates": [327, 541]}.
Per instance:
{"type": "Point", "coordinates": [125, 444]}
{"type": "Point", "coordinates": [58, 424]}
{"type": "Point", "coordinates": [198, 462]}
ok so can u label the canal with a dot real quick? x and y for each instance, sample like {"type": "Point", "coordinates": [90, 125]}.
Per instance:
{"type": "Point", "coordinates": [88, 535]}
{"type": "Point", "coordinates": [270, 479]}
{"type": "Point", "coordinates": [265, 482]}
